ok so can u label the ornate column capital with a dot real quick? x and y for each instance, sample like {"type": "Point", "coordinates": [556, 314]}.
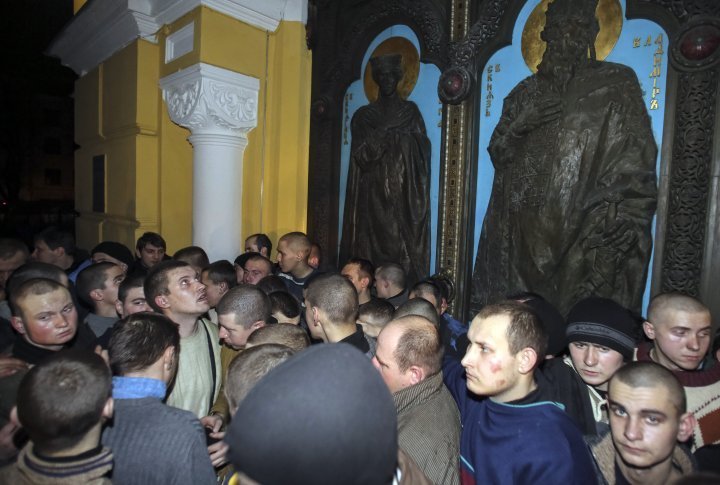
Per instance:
{"type": "Point", "coordinates": [212, 101]}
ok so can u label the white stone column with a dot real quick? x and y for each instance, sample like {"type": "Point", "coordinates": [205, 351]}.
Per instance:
{"type": "Point", "coordinates": [219, 107]}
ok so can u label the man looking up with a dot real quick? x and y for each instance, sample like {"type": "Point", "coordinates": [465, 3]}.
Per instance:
{"type": "Point", "coordinates": [679, 327]}
{"type": "Point", "coordinates": [331, 308]}
{"type": "Point", "coordinates": [408, 357]}
{"type": "Point", "coordinates": [390, 284]}
{"type": "Point", "coordinates": [360, 273]}
{"type": "Point", "coordinates": [508, 437]}
{"type": "Point", "coordinates": [648, 420]}
{"type": "Point", "coordinates": [293, 253]}
{"type": "Point", "coordinates": [174, 289]}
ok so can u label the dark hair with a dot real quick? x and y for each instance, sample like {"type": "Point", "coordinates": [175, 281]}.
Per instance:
{"type": "Point", "coordinates": [419, 344]}
{"type": "Point", "coordinates": [92, 278]}
{"type": "Point", "coordinates": [247, 303]}
{"type": "Point", "coordinates": [392, 272]}
{"type": "Point", "coordinates": [62, 398]}
{"type": "Point", "coordinates": [249, 367]}
{"type": "Point", "coordinates": [271, 283]}
{"type": "Point", "coordinates": [650, 374]}
{"type": "Point", "coordinates": [428, 288]}
{"type": "Point", "coordinates": [157, 283]}
{"type": "Point", "coordinates": [222, 271]}
{"type": "Point", "coordinates": [35, 286]}
{"type": "Point", "coordinates": [445, 285]}
{"type": "Point", "coordinates": [139, 340]}
{"type": "Point", "coordinates": [365, 268]}
{"type": "Point", "coordinates": [335, 296]}
{"type": "Point", "coordinates": [150, 238]}
{"type": "Point", "coordinates": [10, 247]}
{"type": "Point", "coordinates": [32, 271]}
{"type": "Point", "coordinates": [259, 257]}
{"type": "Point", "coordinates": [193, 255]}
{"type": "Point", "coordinates": [286, 334]}
{"type": "Point", "coordinates": [128, 284]}
{"type": "Point", "coordinates": [55, 238]}
{"type": "Point", "coordinates": [525, 329]}
{"type": "Point", "coordinates": [261, 241]}
{"type": "Point", "coordinates": [420, 307]}
{"type": "Point", "coordinates": [379, 311]}
{"type": "Point", "coordinates": [285, 303]}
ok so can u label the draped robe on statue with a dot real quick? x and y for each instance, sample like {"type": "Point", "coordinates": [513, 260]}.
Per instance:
{"type": "Point", "coordinates": [387, 202]}
{"type": "Point", "coordinates": [559, 184]}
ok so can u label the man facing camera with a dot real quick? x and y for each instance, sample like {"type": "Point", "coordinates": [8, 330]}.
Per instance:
{"type": "Point", "coordinates": [648, 420]}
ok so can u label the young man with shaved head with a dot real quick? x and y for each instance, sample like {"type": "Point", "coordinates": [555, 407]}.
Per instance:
{"type": "Point", "coordinates": [409, 357]}
{"type": "Point", "coordinates": [293, 255]}
{"type": "Point", "coordinates": [508, 435]}
{"type": "Point", "coordinates": [331, 309]}
{"type": "Point", "coordinates": [648, 420]}
{"type": "Point", "coordinates": [680, 329]}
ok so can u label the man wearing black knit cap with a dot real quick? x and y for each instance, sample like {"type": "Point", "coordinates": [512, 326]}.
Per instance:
{"type": "Point", "coordinates": [343, 429]}
{"type": "Point", "coordinates": [601, 337]}
{"type": "Point", "coordinates": [112, 252]}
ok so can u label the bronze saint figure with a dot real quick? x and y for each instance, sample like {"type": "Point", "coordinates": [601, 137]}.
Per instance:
{"type": "Point", "coordinates": [575, 190]}
{"type": "Point", "coordinates": [387, 202]}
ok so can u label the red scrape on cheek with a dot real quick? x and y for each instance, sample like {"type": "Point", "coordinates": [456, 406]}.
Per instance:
{"type": "Point", "coordinates": [495, 366]}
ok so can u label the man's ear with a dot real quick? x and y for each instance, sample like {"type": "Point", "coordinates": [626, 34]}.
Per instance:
{"type": "Point", "coordinates": [649, 330]}
{"type": "Point", "coordinates": [96, 294]}
{"type": "Point", "coordinates": [315, 315]}
{"type": "Point", "coordinates": [257, 325]}
{"type": "Point", "coordinates": [14, 417]}
{"type": "Point", "coordinates": [417, 374]}
{"type": "Point", "coordinates": [18, 325]}
{"type": "Point", "coordinates": [687, 424]}
{"type": "Point", "coordinates": [119, 308]}
{"type": "Point", "coordinates": [223, 287]}
{"type": "Point", "coordinates": [162, 301]}
{"type": "Point", "coordinates": [527, 358]}
{"type": "Point", "coordinates": [108, 409]}
{"type": "Point", "coordinates": [137, 253]}
{"type": "Point", "coordinates": [365, 281]}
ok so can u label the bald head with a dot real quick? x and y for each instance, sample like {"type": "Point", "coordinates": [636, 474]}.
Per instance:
{"type": "Point", "coordinates": [418, 343]}
{"type": "Point", "coordinates": [663, 308]}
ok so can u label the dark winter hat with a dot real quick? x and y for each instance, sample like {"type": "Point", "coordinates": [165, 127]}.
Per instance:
{"type": "Point", "coordinates": [116, 250]}
{"type": "Point", "coordinates": [323, 416]}
{"type": "Point", "coordinates": [604, 322]}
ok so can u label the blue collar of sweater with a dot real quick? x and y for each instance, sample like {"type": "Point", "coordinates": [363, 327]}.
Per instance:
{"type": "Point", "coordinates": [137, 388]}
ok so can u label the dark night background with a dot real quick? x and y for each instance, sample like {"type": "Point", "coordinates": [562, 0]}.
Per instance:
{"type": "Point", "coordinates": [36, 120]}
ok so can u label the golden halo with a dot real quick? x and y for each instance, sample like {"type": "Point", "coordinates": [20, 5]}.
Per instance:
{"type": "Point", "coordinates": [609, 15]}
{"type": "Point", "coordinates": [410, 67]}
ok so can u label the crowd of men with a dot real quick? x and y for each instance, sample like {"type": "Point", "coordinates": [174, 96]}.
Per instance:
{"type": "Point", "coordinates": [146, 368]}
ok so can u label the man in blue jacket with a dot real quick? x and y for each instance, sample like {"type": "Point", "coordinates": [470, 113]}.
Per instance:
{"type": "Point", "coordinates": [509, 435]}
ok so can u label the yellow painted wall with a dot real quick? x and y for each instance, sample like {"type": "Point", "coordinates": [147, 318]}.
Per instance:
{"type": "Point", "coordinates": [120, 113]}
{"type": "Point", "coordinates": [275, 165]}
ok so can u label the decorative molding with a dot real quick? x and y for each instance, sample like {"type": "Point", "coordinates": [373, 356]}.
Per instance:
{"type": "Point", "coordinates": [103, 27]}
{"type": "Point", "coordinates": [180, 43]}
{"type": "Point", "coordinates": [209, 100]}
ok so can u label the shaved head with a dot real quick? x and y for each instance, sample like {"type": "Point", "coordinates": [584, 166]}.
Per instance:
{"type": "Point", "coordinates": [663, 307]}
